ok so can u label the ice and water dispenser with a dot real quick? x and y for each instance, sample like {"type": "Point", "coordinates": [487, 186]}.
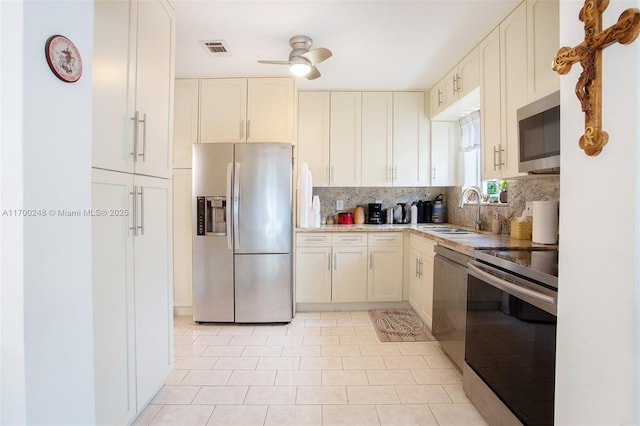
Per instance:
{"type": "Point", "coordinates": [211, 215]}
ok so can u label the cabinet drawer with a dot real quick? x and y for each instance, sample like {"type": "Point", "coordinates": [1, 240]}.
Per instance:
{"type": "Point", "coordinates": [355, 239]}
{"type": "Point", "coordinates": [312, 239]}
{"type": "Point", "coordinates": [384, 239]}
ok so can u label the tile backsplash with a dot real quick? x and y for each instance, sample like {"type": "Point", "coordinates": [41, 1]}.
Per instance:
{"type": "Point", "coordinates": [353, 197]}
{"type": "Point", "coordinates": [521, 190]}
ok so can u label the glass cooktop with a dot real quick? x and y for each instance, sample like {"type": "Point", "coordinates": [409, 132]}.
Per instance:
{"type": "Point", "coordinates": [539, 263]}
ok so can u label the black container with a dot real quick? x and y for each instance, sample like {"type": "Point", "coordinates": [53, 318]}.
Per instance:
{"type": "Point", "coordinates": [375, 214]}
{"type": "Point", "coordinates": [428, 209]}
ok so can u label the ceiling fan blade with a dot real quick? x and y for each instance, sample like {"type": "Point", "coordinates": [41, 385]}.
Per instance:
{"type": "Point", "coordinates": [313, 74]}
{"type": "Point", "coordinates": [275, 62]}
{"type": "Point", "coordinates": [315, 56]}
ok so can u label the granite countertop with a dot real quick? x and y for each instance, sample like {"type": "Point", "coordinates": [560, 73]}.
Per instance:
{"type": "Point", "coordinates": [460, 242]}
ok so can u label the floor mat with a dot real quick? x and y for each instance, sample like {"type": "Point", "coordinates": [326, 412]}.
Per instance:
{"type": "Point", "coordinates": [399, 325]}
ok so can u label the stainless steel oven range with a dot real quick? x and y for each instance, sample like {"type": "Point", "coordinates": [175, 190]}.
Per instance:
{"type": "Point", "coordinates": [510, 341]}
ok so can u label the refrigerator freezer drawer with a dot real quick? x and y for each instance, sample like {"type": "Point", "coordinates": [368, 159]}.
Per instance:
{"type": "Point", "coordinates": [263, 288]}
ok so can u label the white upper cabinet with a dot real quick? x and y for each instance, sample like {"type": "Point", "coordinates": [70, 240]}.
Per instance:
{"type": "Point", "coordinates": [490, 106]}
{"type": "Point", "coordinates": [345, 139]}
{"type": "Point", "coordinates": [133, 86]}
{"type": "Point", "coordinates": [247, 110]}
{"type": "Point", "coordinates": [185, 125]}
{"type": "Point", "coordinates": [459, 82]}
{"type": "Point", "coordinates": [444, 142]}
{"type": "Point", "coordinates": [503, 57]}
{"type": "Point", "coordinates": [377, 138]}
{"type": "Point", "coordinates": [513, 71]}
{"type": "Point", "coordinates": [223, 110]}
{"type": "Point", "coordinates": [543, 42]}
{"type": "Point", "coordinates": [270, 110]}
{"type": "Point", "coordinates": [410, 141]}
{"type": "Point", "coordinates": [314, 110]}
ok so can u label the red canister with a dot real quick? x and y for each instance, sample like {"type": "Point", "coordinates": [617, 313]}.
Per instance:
{"type": "Point", "coordinates": [345, 218]}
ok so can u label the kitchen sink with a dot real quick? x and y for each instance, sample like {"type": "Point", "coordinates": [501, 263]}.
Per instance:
{"type": "Point", "coordinates": [447, 230]}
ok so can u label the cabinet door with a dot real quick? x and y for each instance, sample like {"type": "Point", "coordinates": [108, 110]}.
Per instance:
{"type": "Point", "coordinates": [345, 139]}
{"type": "Point", "coordinates": [443, 152]}
{"type": "Point", "coordinates": [385, 274]}
{"type": "Point", "coordinates": [543, 42]}
{"type": "Point", "coordinates": [377, 138]}
{"type": "Point", "coordinates": [469, 74]}
{"type": "Point", "coordinates": [513, 62]}
{"type": "Point", "coordinates": [154, 87]}
{"type": "Point", "coordinates": [451, 88]}
{"type": "Point", "coordinates": [223, 109]}
{"type": "Point", "coordinates": [113, 322]}
{"type": "Point", "coordinates": [349, 275]}
{"type": "Point", "coordinates": [438, 98]}
{"type": "Point", "coordinates": [153, 286]}
{"type": "Point", "coordinates": [185, 123]}
{"type": "Point", "coordinates": [415, 290]}
{"type": "Point", "coordinates": [313, 134]}
{"type": "Point", "coordinates": [113, 56]}
{"type": "Point", "coordinates": [410, 143]}
{"type": "Point", "coordinates": [313, 274]}
{"type": "Point", "coordinates": [182, 233]}
{"type": "Point", "coordinates": [270, 109]}
{"type": "Point", "coordinates": [490, 101]}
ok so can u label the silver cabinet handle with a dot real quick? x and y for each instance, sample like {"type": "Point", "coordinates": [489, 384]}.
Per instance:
{"type": "Point", "coordinates": [495, 151]}
{"type": "Point", "coordinates": [371, 261]}
{"type": "Point", "coordinates": [439, 97]}
{"type": "Point", "coordinates": [141, 210]}
{"type": "Point", "coordinates": [314, 239]}
{"type": "Point", "coordinates": [329, 261]}
{"type": "Point", "coordinates": [500, 151]}
{"type": "Point", "coordinates": [458, 85]}
{"type": "Point", "coordinates": [420, 267]}
{"type": "Point", "coordinates": [454, 84]}
{"type": "Point", "coordinates": [335, 262]}
{"type": "Point", "coordinates": [433, 173]}
{"type": "Point", "coordinates": [228, 205]}
{"type": "Point", "coordinates": [416, 274]}
{"type": "Point", "coordinates": [134, 211]}
{"type": "Point", "coordinates": [144, 137]}
{"type": "Point", "coordinates": [248, 129]}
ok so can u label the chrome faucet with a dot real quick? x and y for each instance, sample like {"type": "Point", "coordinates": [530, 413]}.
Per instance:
{"type": "Point", "coordinates": [478, 197]}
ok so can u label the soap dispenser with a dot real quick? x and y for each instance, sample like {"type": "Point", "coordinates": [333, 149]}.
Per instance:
{"type": "Point", "coordinates": [496, 224]}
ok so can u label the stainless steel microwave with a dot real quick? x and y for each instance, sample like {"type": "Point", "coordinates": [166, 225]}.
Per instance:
{"type": "Point", "coordinates": [539, 135]}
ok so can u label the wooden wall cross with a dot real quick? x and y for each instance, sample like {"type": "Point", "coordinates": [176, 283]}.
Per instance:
{"type": "Point", "coordinates": [589, 54]}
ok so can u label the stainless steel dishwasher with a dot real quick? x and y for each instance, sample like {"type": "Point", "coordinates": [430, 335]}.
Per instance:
{"type": "Point", "coordinates": [450, 302]}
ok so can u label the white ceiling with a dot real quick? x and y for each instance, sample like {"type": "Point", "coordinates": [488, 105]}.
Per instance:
{"type": "Point", "coordinates": [376, 45]}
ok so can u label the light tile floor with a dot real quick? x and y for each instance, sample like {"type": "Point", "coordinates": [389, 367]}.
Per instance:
{"type": "Point", "coordinates": [324, 368]}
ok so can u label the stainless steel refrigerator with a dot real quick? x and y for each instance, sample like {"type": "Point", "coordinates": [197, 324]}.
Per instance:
{"type": "Point", "coordinates": [242, 205]}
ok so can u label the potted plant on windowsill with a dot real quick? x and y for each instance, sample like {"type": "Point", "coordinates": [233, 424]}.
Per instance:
{"type": "Point", "coordinates": [504, 188]}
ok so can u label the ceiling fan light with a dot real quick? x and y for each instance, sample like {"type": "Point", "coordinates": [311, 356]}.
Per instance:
{"type": "Point", "coordinates": [299, 67]}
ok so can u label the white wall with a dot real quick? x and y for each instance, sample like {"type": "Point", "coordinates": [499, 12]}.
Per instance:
{"type": "Point", "coordinates": [53, 273]}
{"type": "Point", "coordinates": [12, 379]}
{"type": "Point", "coordinates": [598, 358]}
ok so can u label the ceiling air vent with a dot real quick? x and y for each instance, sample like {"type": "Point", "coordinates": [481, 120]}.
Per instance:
{"type": "Point", "coordinates": [215, 47]}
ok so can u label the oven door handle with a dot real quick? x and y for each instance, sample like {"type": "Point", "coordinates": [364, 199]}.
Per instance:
{"type": "Point", "coordinates": [510, 288]}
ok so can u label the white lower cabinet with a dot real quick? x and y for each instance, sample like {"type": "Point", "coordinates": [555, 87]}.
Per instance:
{"type": "Point", "coordinates": [421, 276]}
{"type": "Point", "coordinates": [349, 267]}
{"type": "Point", "coordinates": [132, 292]}
{"type": "Point", "coordinates": [385, 267]}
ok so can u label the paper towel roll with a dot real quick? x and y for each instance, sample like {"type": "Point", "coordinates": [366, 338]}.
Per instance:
{"type": "Point", "coordinates": [545, 222]}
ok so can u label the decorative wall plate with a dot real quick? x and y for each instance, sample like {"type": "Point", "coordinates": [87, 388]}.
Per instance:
{"type": "Point", "coordinates": [63, 58]}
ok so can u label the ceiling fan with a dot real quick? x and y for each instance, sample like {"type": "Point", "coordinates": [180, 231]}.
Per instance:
{"type": "Point", "coordinates": [302, 61]}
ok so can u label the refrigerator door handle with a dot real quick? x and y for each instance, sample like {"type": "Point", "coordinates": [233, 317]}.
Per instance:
{"type": "Point", "coordinates": [228, 205]}
{"type": "Point", "coordinates": [236, 206]}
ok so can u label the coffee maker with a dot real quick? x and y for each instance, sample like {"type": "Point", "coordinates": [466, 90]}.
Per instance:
{"type": "Point", "coordinates": [375, 214]}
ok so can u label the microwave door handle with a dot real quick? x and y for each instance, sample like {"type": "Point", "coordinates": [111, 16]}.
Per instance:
{"type": "Point", "coordinates": [504, 285]}
{"type": "Point", "coordinates": [236, 206]}
{"type": "Point", "coordinates": [228, 206]}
